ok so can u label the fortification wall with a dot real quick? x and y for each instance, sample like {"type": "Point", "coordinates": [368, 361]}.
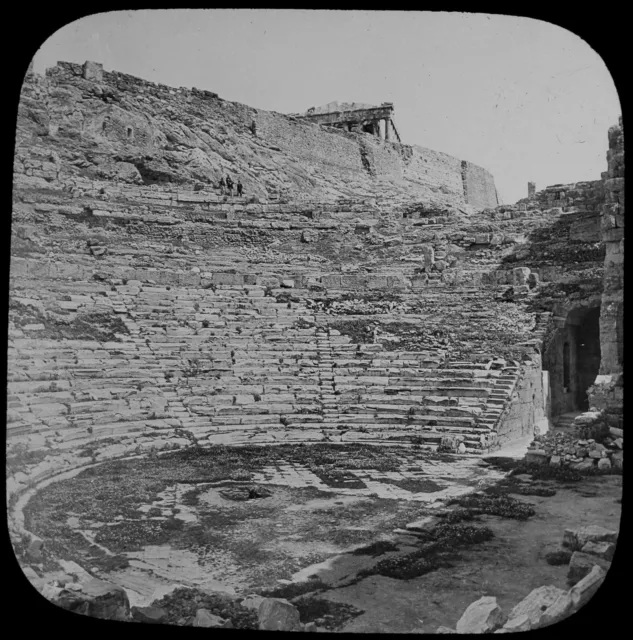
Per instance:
{"type": "Point", "coordinates": [479, 186]}
{"type": "Point", "coordinates": [435, 169]}
{"type": "Point", "coordinates": [183, 136]}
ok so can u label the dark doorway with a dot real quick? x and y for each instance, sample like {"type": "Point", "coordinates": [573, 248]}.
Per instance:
{"type": "Point", "coordinates": [587, 355]}
{"type": "Point", "coordinates": [572, 359]}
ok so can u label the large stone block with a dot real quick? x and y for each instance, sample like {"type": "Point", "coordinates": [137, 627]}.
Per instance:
{"type": "Point", "coordinates": [532, 608]}
{"type": "Point", "coordinates": [581, 564]}
{"type": "Point", "coordinates": [576, 539]}
{"type": "Point", "coordinates": [93, 71]}
{"type": "Point", "coordinates": [520, 275]}
{"type": "Point", "coordinates": [482, 616]}
{"type": "Point", "coordinates": [277, 614]}
{"type": "Point", "coordinates": [98, 599]}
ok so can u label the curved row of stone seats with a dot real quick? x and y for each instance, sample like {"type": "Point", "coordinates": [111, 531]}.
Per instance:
{"type": "Point", "coordinates": [247, 370]}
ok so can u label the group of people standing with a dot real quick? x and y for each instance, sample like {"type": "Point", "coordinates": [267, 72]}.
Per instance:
{"type": "Point", "coordinates": [226, 186]}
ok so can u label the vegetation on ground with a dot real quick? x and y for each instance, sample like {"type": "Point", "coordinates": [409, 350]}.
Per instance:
{"type": "Point", "coordinates": [182, 603]}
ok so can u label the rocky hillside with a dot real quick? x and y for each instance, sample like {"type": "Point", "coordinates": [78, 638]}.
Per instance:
{"type": "Point", "coordinates": [112, 126]}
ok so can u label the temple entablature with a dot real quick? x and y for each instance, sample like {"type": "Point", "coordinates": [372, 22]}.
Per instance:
{"type": "Point", "coordinates": [355, 117]}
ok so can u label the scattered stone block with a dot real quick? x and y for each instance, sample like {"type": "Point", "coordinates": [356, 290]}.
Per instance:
{"type": "Point", "coordinates": [277, 614]}
{"type": "Point", "coordinates": [560, 609]}
{"type": "Point", "coordinates": [97, 599]}
{"type": "Point", "coordinates": [532, 608]}
{"type": "Point", "coordinates": [604, 464]}
{"type": "Point", "coordinates": [205, 618]}
{"type": "Point", "coordinates": [520, 275]}
{"type": "Point", "coordinates": [617, 460]}
{"type": "Point", "coordinates": [584, 590]}
{"type": "Point", "coordinates": [93, 71]}
{"type": "Point", "coordinates": [445, 630]}
{"type": "Point", "coordinates": [585, 465]}
{"type": "Point", "coordinates": [482, 616]}
{"type": "Point", "coordinates": [604, 550]}
{"type": "Point", "coordinates": [581, 564]}
{"type": "Point", "coordinates": [575, 539]}
{"type": "Point", "coordinates": [537, 456]}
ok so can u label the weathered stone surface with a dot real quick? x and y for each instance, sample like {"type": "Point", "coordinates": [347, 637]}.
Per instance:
{"type": "Point", "coordinates": [149, 615]}
{"type": "Point", "coordinates": [445, 630]}
{"type": "Point", "coordinates": [560, 609]}
{"type": "Point", "coordinates": [522, 622]}
{"type": "Point", "coordinates": [604, 550]}
{"type": "Point", "coordinates": [482, 616]}
{"type": "Point", "coordinates": [575, 539]}
{"type": "Point", "coordinates": [584, 590]}
{"type": "Point", "coordinates": [532, 608]}
{"type": "Point", "coordinates": [277, 614]}
{"type": "Point", "coordinates": [581, 564]}
{"type": "Point", "coordinates": [205, 618]}
{"type": "Point", "coordinates": [252, 602]}
{"type": "Point", "coordinates": [98, 599]}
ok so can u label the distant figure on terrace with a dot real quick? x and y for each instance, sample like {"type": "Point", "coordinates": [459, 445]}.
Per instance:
{"type": "Point", "coordinates": [229, 184]}
{"type": "Point", "coordinates": [239, 188]}
{"type": "Point", "coordinates": [222, 185]}
{"type": "Point", "coordinates": [253, 128]}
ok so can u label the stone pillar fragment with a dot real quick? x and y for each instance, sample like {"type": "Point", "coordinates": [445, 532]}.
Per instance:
{"type": "Point", "coordinates": [531, 189]}
{"type": "Point", "coordinates": [387, 129]}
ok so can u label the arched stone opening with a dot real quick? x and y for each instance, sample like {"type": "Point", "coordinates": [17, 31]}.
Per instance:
{"type": "Point", "coordinates": [572, 358]}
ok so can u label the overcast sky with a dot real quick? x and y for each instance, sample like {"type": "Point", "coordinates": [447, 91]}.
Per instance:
{"type": "Point", "coordinates": [525, 99]}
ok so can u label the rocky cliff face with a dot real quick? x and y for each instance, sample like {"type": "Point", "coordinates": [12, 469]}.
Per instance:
{"type": "Point", "coordinates": [112, 126]}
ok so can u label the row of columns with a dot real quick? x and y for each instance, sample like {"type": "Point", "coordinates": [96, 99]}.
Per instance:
{"type": "Point", "coordinates": [387, 125]}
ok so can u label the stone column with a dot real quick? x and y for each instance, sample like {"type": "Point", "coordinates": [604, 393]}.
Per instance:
{"type": "Point", "coordinates": [377, 128]}
{"type": "Point", "coordinates": [531, 189]}
{"type": "Point", "coordinates": [387, 129]}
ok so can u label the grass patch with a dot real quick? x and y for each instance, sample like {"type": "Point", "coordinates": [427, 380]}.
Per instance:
{"type": "Point", "coordinates": [494, 505]}
{"type": "Point", "coordinates": [326, 614]}
{"type": "Point", "coordinates": [415, 485]}
{"type": "Point", "coordinates": [294, 590]}
{"type": "Point", "coordinates": [437, 551]}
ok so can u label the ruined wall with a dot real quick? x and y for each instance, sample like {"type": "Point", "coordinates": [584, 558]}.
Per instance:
{"type": "Point", "coordinates": [608, 391]}
{"type": "Point", "coordinates": [527, 408]}
{"type": "Point", "coordinates": [435, 169]}
{"type": "Point", "coordinates": [479, 186]}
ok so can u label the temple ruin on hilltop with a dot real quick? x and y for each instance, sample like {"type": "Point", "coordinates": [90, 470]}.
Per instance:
{"type": "Point", "coordinates": [355, 117]}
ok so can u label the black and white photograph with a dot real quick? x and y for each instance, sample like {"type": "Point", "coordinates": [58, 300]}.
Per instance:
{"type": "Point", "coordinates": [315, 323]}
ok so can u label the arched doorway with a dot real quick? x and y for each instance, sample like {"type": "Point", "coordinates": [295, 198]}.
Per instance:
{"type": "Point", "coordinates": [572, 358]}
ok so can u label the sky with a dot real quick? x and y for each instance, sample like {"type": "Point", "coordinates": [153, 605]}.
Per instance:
{"type": "Point", "coordinates": [525, 99]}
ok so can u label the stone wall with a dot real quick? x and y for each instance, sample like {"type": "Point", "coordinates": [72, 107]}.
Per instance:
{"type": "Point", "coordinates": [527, 409]}
{"type": "Point", "coordinates": [434, 169]}
{"type": "Point", "coordinates": [182, 136]}
{"type": "Point", "coordinates": [607, 394]}
{"type": "Point", "coordinates": [479, 186]}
